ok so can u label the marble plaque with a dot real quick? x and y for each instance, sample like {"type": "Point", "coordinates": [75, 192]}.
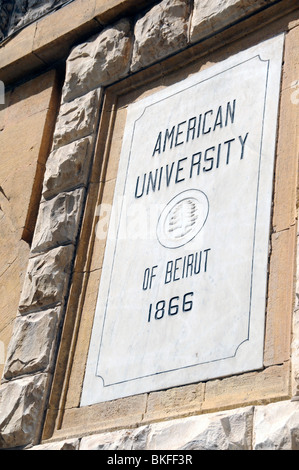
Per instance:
{"type": "Point", "coordinates": [183, 289]}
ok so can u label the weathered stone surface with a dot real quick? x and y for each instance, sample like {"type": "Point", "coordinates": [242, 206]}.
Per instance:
{"type": "Point", "coordinates": [77, 119]}
{"type": "Point", "coordinates": [104, 59]}
{"type": "Point", "coordinates": [210, 16]}
{"type": "Point", "coordinates": [21, 409]}
{"type": "Point", "coordinates": [230, 430]}
{"type": "Point", "coordinates": [67, 167]}
{"type": "Point", "coordinates": [218, 431]}
{"type": "Point", "coordinates": [32, 343]}
{"type": "Point", "coordinates": [58, 220]}
{"type": "Point", "coordinates": [46, 279]}
{"type": "Point", "coordinates": [276, 426]}
{"type": "Point", "coordinates": [160, 32]}
{"type": "Point", "coordinates": [69, 444]}
{"type": "Point", "coordinates": [117, 440]}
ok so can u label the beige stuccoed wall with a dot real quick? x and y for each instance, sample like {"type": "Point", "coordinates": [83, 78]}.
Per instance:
{"type": "Point", "coordinates": [222, 414]}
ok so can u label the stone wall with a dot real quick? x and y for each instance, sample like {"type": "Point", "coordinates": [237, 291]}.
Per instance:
{"type": "Point", "coordinates": [270, 427]}
{"type": "Point", "coordinates": [30, 106]}
{"type": "Point", "coordinates": [119, 50]}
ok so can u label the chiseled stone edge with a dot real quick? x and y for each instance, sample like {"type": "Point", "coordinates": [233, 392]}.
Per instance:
{"type": "Point", "coordinates": [67, 167]}
{"type": "Point", "coordinates": [78, 119]}
{"type": "Point", "coordinates": [33, 344]}
{"type": "Point", "coordinates": [22, 410]}
{"type": "Point", "coordinates": [62, 217]}
{"type": "Point", "coordinates": [47, 278]}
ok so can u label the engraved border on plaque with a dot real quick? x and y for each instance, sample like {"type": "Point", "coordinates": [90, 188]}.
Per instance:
{"type": "Point", "coordinates": [105, 384]}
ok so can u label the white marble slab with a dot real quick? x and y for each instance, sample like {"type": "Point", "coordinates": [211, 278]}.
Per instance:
{"type": "Point", "coordinates": [183, 289]}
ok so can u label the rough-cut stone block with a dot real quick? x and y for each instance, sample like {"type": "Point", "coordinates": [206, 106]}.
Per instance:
{"type": "Point", "coordinates": [58, 221]}
{"type": "Point", "coordinates": [67, 167]}
{"type": "Point", "coordinates": [21, 410]}
{"type": "Point", "coordinates": [102, 60]}
{"type": "Point", "coordinates": [77, 119]}
{"type": "Point", "coordinates": [276, 426]}
{"type": "Point", "coordinates": [32, 343]}
{"type": "Point", "coordinates": [160, 32]}
{"type": "Point", "coordinates": [68, 444]}
{"type": "Point", "coordinates": [210, 16]}
{"type": "Point", "coordinates": [231, 430]}
{"type": "Point", "coordinates": [46, 279]}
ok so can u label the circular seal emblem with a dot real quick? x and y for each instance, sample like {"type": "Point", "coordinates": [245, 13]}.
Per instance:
{"type": "Point", "coordinates": [182, 218]}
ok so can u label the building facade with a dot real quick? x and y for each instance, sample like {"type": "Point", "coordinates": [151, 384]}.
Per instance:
{"type": "Point", "coordinates": [148, 214]}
